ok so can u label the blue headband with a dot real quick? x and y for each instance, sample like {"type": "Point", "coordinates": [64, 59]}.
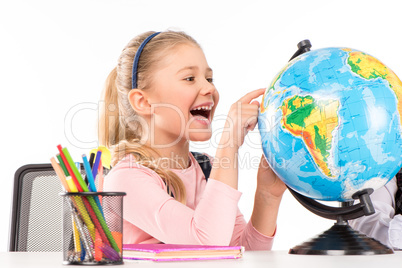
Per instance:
{"type": "Point", "coordinates": [137, 58]}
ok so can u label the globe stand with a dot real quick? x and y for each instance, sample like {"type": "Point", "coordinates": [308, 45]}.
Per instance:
{"type": "Point", "coordinates": [302, 47]}
{"type": "Point", "coordinates": [340, 239]}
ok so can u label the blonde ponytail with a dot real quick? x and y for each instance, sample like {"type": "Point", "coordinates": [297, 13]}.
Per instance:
{"type": "Point", "coordinates": [108, 125]}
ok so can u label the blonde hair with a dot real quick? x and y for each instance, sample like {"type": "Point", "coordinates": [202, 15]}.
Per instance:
{"type": "Point", "coordinates": [119, 127]}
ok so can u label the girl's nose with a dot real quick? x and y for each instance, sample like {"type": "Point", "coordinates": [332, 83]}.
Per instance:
{"type": "Point", "coordinates": [208, 88]}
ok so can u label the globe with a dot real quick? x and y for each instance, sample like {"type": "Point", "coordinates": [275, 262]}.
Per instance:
{"type": "Point", "coordinates": [330, 124]}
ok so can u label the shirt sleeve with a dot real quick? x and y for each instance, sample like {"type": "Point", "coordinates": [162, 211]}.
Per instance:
{"type": "Point", "coordinates": [148, 206]}
{"type": "Point", "coordinates": [246, 235]}
{"type": "Point", "coordinates": [383, 225]}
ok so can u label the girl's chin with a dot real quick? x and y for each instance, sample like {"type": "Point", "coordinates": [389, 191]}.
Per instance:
{"type": "Point", "coordinates": [200, 135]}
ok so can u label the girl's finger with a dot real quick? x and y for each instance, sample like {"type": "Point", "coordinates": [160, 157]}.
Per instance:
{"type": "Point", "coordinates": [256, 103]}
{"type": "Point", "coordinates": [252, 95]}
{"type": "Point", "coordinates": [251, 126]}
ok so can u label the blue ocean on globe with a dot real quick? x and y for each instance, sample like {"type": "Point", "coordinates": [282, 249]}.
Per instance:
{"type": "Point", "coordinates": [330, 123]}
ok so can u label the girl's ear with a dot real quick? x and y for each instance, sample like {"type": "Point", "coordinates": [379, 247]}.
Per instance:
{"type": "Point", "coordinates": [139, 102]}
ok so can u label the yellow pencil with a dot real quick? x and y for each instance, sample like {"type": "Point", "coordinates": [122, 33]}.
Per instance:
{"type": "Point", "coordinates": [77, 243]}
{"type": "Point", "coordinates": [79, 205]}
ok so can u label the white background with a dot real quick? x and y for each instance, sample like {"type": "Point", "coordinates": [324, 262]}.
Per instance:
{"type": "Point", "coordinates": [55, 56]}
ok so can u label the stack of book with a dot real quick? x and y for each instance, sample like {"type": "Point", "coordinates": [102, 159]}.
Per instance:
{"type": "Point", "coordinates": [170, 252]}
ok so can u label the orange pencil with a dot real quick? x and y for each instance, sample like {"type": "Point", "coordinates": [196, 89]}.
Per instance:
{"type": "Point", "coordinates": [59, 173]}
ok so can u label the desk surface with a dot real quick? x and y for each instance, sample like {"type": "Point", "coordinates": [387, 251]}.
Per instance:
{"type": "Point", "coordinates": [255, 259]}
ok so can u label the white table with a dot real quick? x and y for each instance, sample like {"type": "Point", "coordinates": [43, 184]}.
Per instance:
{"type": "Point", "coordinates": [251, 259]}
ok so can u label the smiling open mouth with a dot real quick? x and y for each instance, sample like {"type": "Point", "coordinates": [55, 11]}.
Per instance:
{"type": "Point", "coordinates": [203, 111]}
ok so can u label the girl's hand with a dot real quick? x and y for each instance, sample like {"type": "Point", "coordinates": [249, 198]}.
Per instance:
{"type": "Point", "coordinates": [267, 199]}
{"type": "Point", "coordinates": [242, 118]}
{"type": "Point", "coordinates": [268, 183]}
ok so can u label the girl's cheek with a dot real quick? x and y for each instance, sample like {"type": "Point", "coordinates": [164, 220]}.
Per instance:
{"type": "Point", "coordinates": [216, 98]}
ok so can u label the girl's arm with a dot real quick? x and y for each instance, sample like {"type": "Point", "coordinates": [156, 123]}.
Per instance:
{"type": "Point", "coordinates": [267, 199]}
{"type": "Point", "coordinates": [242, 118]}
{"type": "Point", "coordinates": [258, 233]}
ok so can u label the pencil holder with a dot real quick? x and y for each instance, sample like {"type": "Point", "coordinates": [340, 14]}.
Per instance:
{"type": "Point", "coordinates": [93, 228]}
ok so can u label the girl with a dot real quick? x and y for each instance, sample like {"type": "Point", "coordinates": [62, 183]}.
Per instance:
{"type": "Point", "coordinates": [159, 97]}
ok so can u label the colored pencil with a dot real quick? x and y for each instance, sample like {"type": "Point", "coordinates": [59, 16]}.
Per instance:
{"type": "Point", "coordinates": [59, 173]}
{"type": "Point", "coordinates": [69, 168]}
{"type": "Point", "coordinates": [91, 181]}
{"type": "Point", "coordinates": [72, 187]}
{"type": "Point", "coordinates": [74, 172]}
{"type": "Point", "coordinates": [77, 225]}
{"type": "Point", "coordinates": [70, 182]}
{"type": "Point", "coordinates": [96, 212]}
{"type": "Point", "coordinates": [91, 159]}
{"type": "Point", "coordinates": [88, 171]}
{"type": "Point", "coordinates": [96, 164]}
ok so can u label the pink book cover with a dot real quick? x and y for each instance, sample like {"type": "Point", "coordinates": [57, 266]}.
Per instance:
{"type": "Point", "coordinates": [172, 252]}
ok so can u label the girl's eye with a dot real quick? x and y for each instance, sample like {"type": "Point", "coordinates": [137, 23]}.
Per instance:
{"type": "Point", "coordinates": [210, 80]}
{"type": "Point", "coordinates": [190, 79]}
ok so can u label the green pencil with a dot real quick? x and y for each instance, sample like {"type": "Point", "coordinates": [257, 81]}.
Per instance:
{"type": "Point", "coordinates": [91, 200]}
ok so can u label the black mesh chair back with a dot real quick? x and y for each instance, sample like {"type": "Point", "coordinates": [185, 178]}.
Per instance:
{"type": "Point", "coordinates": [36, 219]}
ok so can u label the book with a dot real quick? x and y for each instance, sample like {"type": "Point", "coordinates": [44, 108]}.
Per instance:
{"type": "Point", "coordinates": [171, 252]}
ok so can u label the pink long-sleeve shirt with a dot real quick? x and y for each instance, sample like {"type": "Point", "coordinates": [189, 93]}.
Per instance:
{"type": "Point", "coordinates": [210, 215]}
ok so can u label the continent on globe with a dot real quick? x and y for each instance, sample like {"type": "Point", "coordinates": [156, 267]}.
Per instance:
{"type": "Point", "coordinates": [314, 122]}
{"type": "Point", "coordinates": [369, 67]}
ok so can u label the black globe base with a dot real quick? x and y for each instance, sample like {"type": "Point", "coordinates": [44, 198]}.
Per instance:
{"type": "Point", "coordinates": [341, 239]}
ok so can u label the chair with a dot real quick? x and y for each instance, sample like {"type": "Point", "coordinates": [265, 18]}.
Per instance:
{"type": "Point", "coordinates": [36, 221]}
